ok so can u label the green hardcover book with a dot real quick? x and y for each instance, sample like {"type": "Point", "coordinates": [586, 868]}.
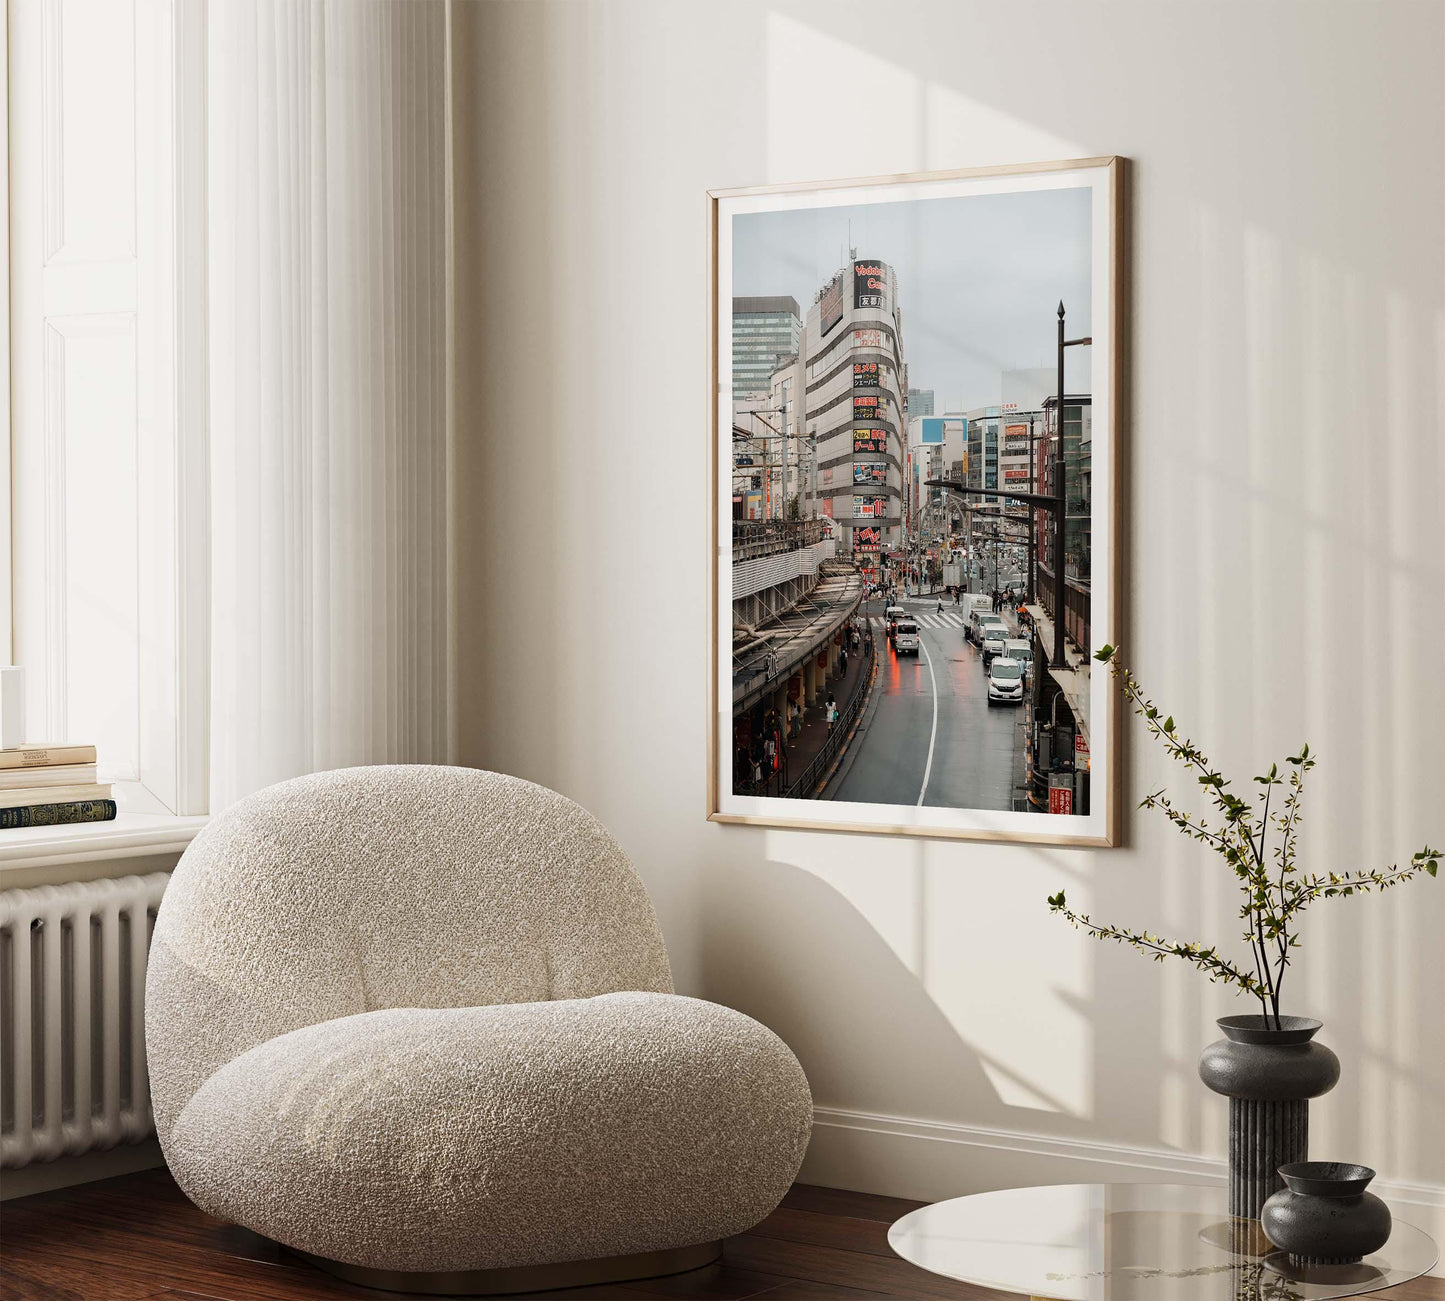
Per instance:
{"type": "Point", "coordinates": [52, 815]}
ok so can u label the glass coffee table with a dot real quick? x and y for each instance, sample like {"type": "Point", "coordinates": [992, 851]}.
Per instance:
{"type": "Point", "coordinates": [1133, 1242]}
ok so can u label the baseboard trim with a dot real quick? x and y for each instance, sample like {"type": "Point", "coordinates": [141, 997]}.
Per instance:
{"type": "Point", "coordinates": [929, 1160]}
{"type": "Point", "coordinates": [87, 1168]}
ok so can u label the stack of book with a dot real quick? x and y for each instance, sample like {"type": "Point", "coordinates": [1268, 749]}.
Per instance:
{"type": "Point", "coordinates": [45, 785]}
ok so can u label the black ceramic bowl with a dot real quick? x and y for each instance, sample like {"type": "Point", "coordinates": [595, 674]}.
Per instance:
{"type": "Point", "coordinates": [1326, 1178]}
{"type": "Point", "coordinates": [1256, 1029]}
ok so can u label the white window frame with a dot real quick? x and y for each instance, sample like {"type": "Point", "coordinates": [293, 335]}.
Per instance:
{"type": "Point", "coordinates": [167, 803]}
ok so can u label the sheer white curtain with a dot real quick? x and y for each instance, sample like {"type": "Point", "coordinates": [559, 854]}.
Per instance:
{"type": "Point", "coordinates": [327, 314]}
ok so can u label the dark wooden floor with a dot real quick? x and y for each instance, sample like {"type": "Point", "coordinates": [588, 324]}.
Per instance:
{"type": "Point", "coordinates": [138, 1237]}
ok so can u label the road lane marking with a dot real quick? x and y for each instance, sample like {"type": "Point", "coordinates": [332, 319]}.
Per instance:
{"type": "Point", "coordinates": [933, 732]}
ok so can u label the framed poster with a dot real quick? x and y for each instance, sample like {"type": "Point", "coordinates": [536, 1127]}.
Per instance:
{"type": "Point", "coordinates": [905, 605]}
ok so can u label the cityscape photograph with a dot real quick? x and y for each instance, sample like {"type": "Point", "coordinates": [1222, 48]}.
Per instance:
{"type": "Point", "coordinates": [911, 501]}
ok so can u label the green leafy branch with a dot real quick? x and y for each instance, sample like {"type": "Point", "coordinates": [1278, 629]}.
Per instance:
{"type": "Point", "coordinates": [1274, 891]}
{"type": "Point", "coordinates": [1207, 960]}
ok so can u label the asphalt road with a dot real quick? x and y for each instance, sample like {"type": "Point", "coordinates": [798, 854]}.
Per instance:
{"type": "Point", "coordinates": [930, 731]}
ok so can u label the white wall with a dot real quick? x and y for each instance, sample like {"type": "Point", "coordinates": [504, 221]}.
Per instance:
{"type": "Point", "coordinates": [1288, 401]}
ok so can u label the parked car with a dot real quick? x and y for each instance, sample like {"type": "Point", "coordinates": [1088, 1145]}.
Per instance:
{"type": "Point", "coordinates": [1006, 681]}
{"type": "Point", "coordinates": [994, 637]}
{"type": "Point", "coordinates": [905, 637]}
{"type": "Point", "coordinates": [891, 617]}
{"type": "Point", "coordinates": [1016, 648]}
{"type": "Point", "coordinates": [977, 618]}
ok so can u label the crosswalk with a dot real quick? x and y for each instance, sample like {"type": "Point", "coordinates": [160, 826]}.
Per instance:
{"type": "Point", "coordinates": [948, 619]}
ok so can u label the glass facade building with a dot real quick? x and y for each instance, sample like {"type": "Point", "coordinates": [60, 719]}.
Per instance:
{"type": "Point", "coordinates": [764, 331]}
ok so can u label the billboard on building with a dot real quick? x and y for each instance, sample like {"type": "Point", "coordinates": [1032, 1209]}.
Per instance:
{"type": "Point", "coordinates": [826, 506]}
{"type": "Point", "coordinates": [865, 374]}
{"type": "Point", "coordinates": [870, 440]}
{"type": "Point", "coordinates": [830, 305]}
{"type": "Point", "coordinates": [866, 406]}
{"type": "Point", "coordinates": [867, 338]}
{"type": "Point", "coordinates": [754, 505]}
{"type": "Point", "coordinates": [868, 284]}
{"type": "Point", "coordinates": [870, 472]}
{"type": "Point", "coordinates": [870, 507]}
{"type": "Point", "coordinates": [867, 539]}
{"type": "Point", "coordinates": [932, 429]}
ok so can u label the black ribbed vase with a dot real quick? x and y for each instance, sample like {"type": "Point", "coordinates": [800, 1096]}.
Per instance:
{"type": "Point", "coordinates": [1269, 1075]}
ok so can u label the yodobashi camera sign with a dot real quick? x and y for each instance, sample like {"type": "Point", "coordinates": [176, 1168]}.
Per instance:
{"type": "Point", "coordinates": [868, 284]}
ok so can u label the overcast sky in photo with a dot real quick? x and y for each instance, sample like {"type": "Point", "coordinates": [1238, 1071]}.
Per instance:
{"type": "Point", "coordinates": [979, 279]}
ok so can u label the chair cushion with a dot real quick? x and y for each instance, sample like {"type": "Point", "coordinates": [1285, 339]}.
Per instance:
{"type": "Point", "coordinates": [486, 1137]}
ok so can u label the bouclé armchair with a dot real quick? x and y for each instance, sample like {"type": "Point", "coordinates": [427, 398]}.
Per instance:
{"type": "Point", "coordinates": [417, 1023]}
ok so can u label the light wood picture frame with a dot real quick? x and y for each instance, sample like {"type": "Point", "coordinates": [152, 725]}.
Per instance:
{"type": "Point", "coordinates": [890, 448]}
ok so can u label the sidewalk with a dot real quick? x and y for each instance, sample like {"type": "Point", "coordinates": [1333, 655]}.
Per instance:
{"type": "Point", "coordinates": [802, 750]}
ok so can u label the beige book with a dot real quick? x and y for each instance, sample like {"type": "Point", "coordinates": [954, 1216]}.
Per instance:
{"type": "Point", "coordinates": [41, 756]}
{"type": "Point", "coordinates": [17, 799]}
{"type": "Point", "coordinates": [60, 774]}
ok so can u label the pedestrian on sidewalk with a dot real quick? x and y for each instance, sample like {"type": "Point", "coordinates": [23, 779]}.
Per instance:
{"type": "Point", "coordinates": [832, 711]}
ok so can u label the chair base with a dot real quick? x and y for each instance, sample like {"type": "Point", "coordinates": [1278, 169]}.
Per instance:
{"type": "Point", "coordinates": [524, 1278]}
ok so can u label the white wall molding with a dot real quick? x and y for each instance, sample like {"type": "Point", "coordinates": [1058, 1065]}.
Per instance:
{"type": "Point", "coordinates": [900, 1156]}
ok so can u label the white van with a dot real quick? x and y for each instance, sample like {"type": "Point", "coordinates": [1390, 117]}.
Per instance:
{"type": "Point", "coordinates": [977, 619]}
{"type": "Point", "coordinates": [905, 637]}
{"type": "Point", "coordinates": [994, 637]}
{"type": "Point", "coordinates": [1006, 681]}
{"type": "Point", "coordinates": [1016, 648]}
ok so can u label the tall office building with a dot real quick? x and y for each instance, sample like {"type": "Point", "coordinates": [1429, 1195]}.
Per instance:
{"type": "Point", "coordinates": [853, 351]}
{"type": "Point", "coordinates": [764, 330]}
{"type": "Point", "coordinates": [920, 402]}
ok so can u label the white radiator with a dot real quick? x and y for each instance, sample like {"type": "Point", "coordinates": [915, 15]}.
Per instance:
{"type": "Point", "coordinates": [72, 1025]}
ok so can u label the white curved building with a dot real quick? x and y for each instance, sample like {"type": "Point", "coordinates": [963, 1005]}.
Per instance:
{"type": "Point", "coordinates": [855, 383]}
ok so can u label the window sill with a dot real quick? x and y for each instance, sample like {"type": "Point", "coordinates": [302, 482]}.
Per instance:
{"type": "Point", "coordinates": [142, 829]}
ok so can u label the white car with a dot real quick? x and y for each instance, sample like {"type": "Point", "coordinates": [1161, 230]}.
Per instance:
{"type": "Point", "coordinates": [1018, 648]}
{"type": "Point", "coordinates": [891, 616]}
{"type": "Point", "coordinates": [995, 635]}
{"type": "Point", "coordinates": [1006, 681]}
{"type": "Point", "coordinates": [905, 637]}
{"type": "Point", "coordinates": [978, 620]}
